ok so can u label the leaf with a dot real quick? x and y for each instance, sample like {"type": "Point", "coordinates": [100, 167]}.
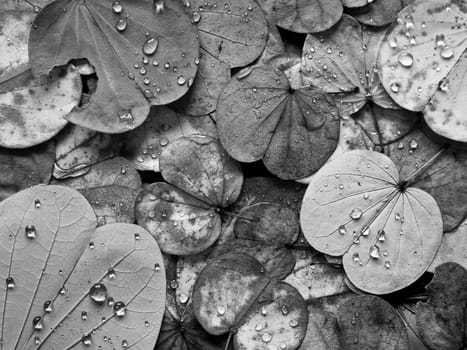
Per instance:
{"type": "Point", "coordinates": [201, 99]}
{"type": "Point", "coordinates": [234, 33]}
{"type": "Point", "coordinates": [423, 57]}
{"type": "Point", "coordinates": [274, 46]}
{"type": "Point", "coordinates": [111, 187]}
{"type": "Point", "coordinates": [379, 13]}
{"type": "Point", "coordinates": [302, 16]}
{"type": "Point", "coordinates": [118, 56]}
{"type": "Point", "coordinates": [25, 168]}
{"type": "Point", "coordinates": [44, 230]}
{"type": "Point", "coordinates": [453, 248]}
{"type": "Point", "coordinates": [442, 319]}
{"type": "Point", "coordinates": [144, 145]}
{"type": "Point", "coordinates": [78, 148]}
{"type": "Point", "coordinates": [362, 322]}
{"type": "Point", "coordinates": [387, 231]}
{"type": "Point", "coordinates": [259, 117]}
{"type": "Point", "coordinates": [343, 61]}
{"type": "Point", "coordinates": [233, 293]}
{"type": "Point", "coordinates": [32, 112]}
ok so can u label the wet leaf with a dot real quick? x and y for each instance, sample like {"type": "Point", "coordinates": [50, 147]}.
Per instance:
{"type": "Point", "coordinates": [32, 112]}
{"type": "Point", "coordinates": [425, 53]}
{"type": "Point", "coordinates": [111, 187]}
{"type": "Point", "coordinates": [442, 319]}
{"type": "Point", "coordinates": [259, 117]}
{"type": "Point", "coordinates": [184, 215]}
{"type": "Point", "coordinates": [161, 63]}
{"type": "Point", "coordinates": [387, 231]}
{"type": "Point", "coordinates": [233, 32]}
{"type": "Point", "coordinates": [78, 148]}
{"type": "Point", "coordinates": [362, 322]}
{"type": "Point", "coordinates": [304, 16]}
{"type": "Point", "coordinates": [44, 230]}
{"type": "Point", "coordinates": [379, 13]}
{"type": "Point", "coordinates": [234, 293]}
{"type": "Point", "coordinates": [342, 61]}
{"type": "Point", "coordinates": [24, 168]}
{"type": "Point", "coordinates": [144, 145]}
{"type": "Point", "coordinates": [201, 99]}
{"type": "Point", "coordinates": [274, 45]}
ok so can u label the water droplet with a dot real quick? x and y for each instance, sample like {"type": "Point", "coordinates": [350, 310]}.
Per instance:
{"type": "Point", "coordinates": [37, 203]}
{"type": "Point", "coordinates": [356, 258]}
{"type": "Point", "coordinates": [440, 40]}
{"type": "Point", "coordinates": [444, 85]}
{"type": "Point", "coordinates": [413, 144]}
{"type": "Point", "coordinates": [84, 315]}
{"type": "Point", "coordinates": [163, 142]}
{"type": "Point", "coordinates": [37, 323]}
{"type": "Point", "coordinates": [121, 24]}
{"type": "Point", "coordinates": [98, 293]}
{"type": "Point", "coordinates": [264, 311]}
{"type": "Point", "coordinates": [447, 52]}
{"type": "Point", "coordinates": [356, 214]}
{"type": "Point", "coordinates": [397, 216]}
{"type": "Point", "coordinates": [266, 337]}
{"type": "Point", "coordinates": [124, 344]}
{"type": "Point", "coordinates": [48, 308]}
{"type": "Point", "coordinates": [258, 327]}
{"type": "Point", "coordinates": [196, 17]}
{"type": "Point", "coordinates": [159, 5]}
{"type": "Point", "coordinates": [405, 59]}
{"type": "Point", "coordinates": [91, 245]}
{"type": "Point", "coordinates": [395, 87]}
{"type": "Point", "coordinates": [220, 311]}
{"type": "Point", "coordinates": [110, 301]}
{"type": "Point", "coordinates": [117, 7]}
{"type": "Point", "coordinates": [157, 267]}
{"type": "Point", "coordinates": [30, 231]}
{"type": "Point", "coordinates": [284, 310]}
{"type": "Point", "coordinates": [37, 340]}
{"type": "Point", "coordinates": [150, 46]}
{"type": "Point", "coordinates": [341, 186]}
{"type": "Point", "coordinates": [111, 274]}
{"type": "Point", "coordinates": [387, 264]}
{"type": "Point", "coordinates": [86, 340]}
{"type": "Point", "coordinates": [120, 309]}
{"type": "Point", "coordinates": [393, 42]}
{"type": "Point", "coordinates": [10, 283]}
{"type": "Point", "coordinates": [382, 236]}
{"type": "Point", "coordinates": [181, 80]}
{"type": "Point", "coordinates": [374, 252]}
{"type": "Point", "coordinates": [365, 231]}
{"type": "Point", "coordinates": [293, 323]}
{"type": "Point", "coordinates": [127, 119]}
{"type": "Point", "coordinates": [173, 284]}
{"type": "Point", "coordinates": [342, 230]}
{"type": "Point", "coordinates": [183, 298]}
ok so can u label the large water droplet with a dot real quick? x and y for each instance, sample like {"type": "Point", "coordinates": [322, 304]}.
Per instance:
{"type": "Point", "coordinates": [266, 337]}
{"type": "Point", "coordinates": [405, 59]}
{"type": "Point", "coordinates": [447, 52]}
{"type": "Point", "coordinates": [10, 283]}
{"type": "Point", "coordinates": [395, 87]}
{"type": "Point", "coordinates": [120, 309]}
{"type": "Point", "coordinates": [387, 264]}
{"type": "Point", "coordinates": [30, 231]}
{"type": "Point", "coordinates": [413, 144]}
{"type": "Point", "coordinates": [393, 42]}
{"type": "Point", "coordinates": [356, 214]}
{"type": "Point", "coordinates": [342, 230]}
{"type": "Point", "coordinates": [117, 7]}
{"type": "Point", "coordinates": [220, 310]}
{"type": "Point", "coordinates": [374, 252]}
{"type": "Point", "coordinates": [382, 236]}
{"type": "Point", "coordinates": [86, 340]}
{"type": "Point", "coordinates": [444, 85]}
{"type": "Point", "coordinates": [264, 311]}
{"type": "Point", "coordinates": [150, 46]}
{"type": "Point", "coordinates": [98, 293]}
{"type": "Point", "coordinates": [125, 344]}
{"type": "Point", "coordinates": [440, 41]}
{"type": "Point", "coordinates": [37, 323]}
{"type": "Point", "coordinates": [183, 298]}
{"type": "Point", "coordinates": [127, 119]}
{"type": "Point", "coordinates": [84, 315]}
{"type": "Point", "coordinates": [37, 203]}
{"type": "Point", "coordinates": [159, 6]}
{"type": "Point", "coordinates": [111, 274]}
{"type": "Point", "coordinates": [181, 80]}
{"type": "Point", "coordinates": [356, 258]}
{"type": "Point", "coordinates": [196, 17]}
{"type": "Point", "coordinates": [365, 230]}
{"type": "Point", "coordinates": [48, 306]}
{"type": "Point", "coordinates": [121, 24]}
{"type": "Point", "coordinates": [293, 323]}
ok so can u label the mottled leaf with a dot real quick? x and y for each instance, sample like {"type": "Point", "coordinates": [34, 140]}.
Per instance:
{"type": "Point", "coordinates": [387, 231]}
{"type": "Point", "coordinates": [144, 145]}
{"type": "Point", "coordinates": [259, 116]}
{"type": "Point", "coordinates": [160, 63]}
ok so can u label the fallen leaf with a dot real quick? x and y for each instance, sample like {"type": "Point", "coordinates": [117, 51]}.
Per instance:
{"type": "Point", "coordinates": [32, 111]}
{"type": "Point", "coordinates": [160, 63]}
{"type": "Point", "coordinates": [379, 13]}
{"type": "Point", "coordinates": [144, 145]}
{"type": "Point", "coordinates": [387, 231]}
{"type": "Point", "coordinates": [25, 168]}
{"type": "Point", "coordinates": [233, 294]}
{"type": "Point", "coordinates": [342, 61]}
{"type": "Point", "coordinates": [422, 58]}
{"type": "Point", "coordinates": [442, 319]}
{"type": "Point", "coordinates": [260, 117]}
{"type": "Point", "coordinates": [111, 188]}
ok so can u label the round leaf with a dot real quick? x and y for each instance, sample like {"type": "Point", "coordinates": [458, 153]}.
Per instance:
{"type": "Point", "coordinates": [160, 63]}
{"type": "Point", "coordinates": [199, 166]}
{"type": "Point", "coordinates": [387, 232]}
{"type": "Point", "coordinates": [259, 117]}
{"type": "Point", "coordinates": [379, 13]}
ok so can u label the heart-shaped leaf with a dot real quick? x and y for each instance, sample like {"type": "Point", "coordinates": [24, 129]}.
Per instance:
{"type": "Point", "coordinates": [422, 63]}
{"type": "Point", "coordinates": [32, 112]}
{"type": "Point", "coordinates": [78, 148]}
{"type": "Point", "coordinates": [233, 294]}
{"type": "Point", "coordinates": [111, 187]}
{"type": "Point", "coordinates": [25, 168]}
{"type": "Point", "coordinates": [184, 215]}
{"type": "Point", "coordinates": [361, 322]}
{"type": "Point", "coordinates": [387, 231]}
{"type": "Point", "coordinates": [114, 40]}
{"type": "Point", "coordinates": [260, 117]}
{"type": "Point", "coordinates": [144, 145]}
{"type": "Point", "coordinates": [343, 61]}
{"type": "Point", "coordinates": [303, 16]}
{"type": "Point", "coordinates": [378, 13]}
{"type": "Point", "coordinates": [442, 320]}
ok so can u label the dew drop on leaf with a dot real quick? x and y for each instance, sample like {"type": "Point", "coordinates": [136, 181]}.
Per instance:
{"type": "Point", "coordinates": [10, 283]}
{"type": "Point", "coordinates": [196, 17]}
{"type": "Point", "coordinates": [374, 252]}
{"type": "Point", "coordinates": [444, 86]}
{"type": "Point", "coordinates": [365, 230]}
{"type": "Point", "coordinates": [387, 264]}
{"type": "Point", "coordinates": [30, 231]}
{"type": "Point", "coordinates": [405, 59]}
{"type": "Point", "coordinates": [293, 323]}
{"type": "Point", "coordinates": [393, 42]}
{"type": "Point", "coordinates": [183, 298]}
{"type": "Point", "coordinates": [91, 245]}
{"type": "Point", "coordinates": [447, 52]}
{"type": "Point", "coordinates": [150, 46]}
{"type": "Point", "coordinates": [48, 306]}
{"type": "Point", "coordinates": [86, 340]}
{"type": "Point", "coordinates": [120, 309]}
{"type": "Point", "coordinates": [413, 144]}
{"type": "Point", "coordinates": [395, 87]}
{"type": "Point", "coordinates": [159, 6]}
{"type": "Point", "coordinates": [356, 214]}
{"type": "Point", "coordinates": [164, 142]}
{"type": "Point", "coordinates": [110, 301]}
{"type": "Point", "coordinates": [157, 267]}
{"type": "Point", "coordinates": [125, 344]}
{"type": "Point", "coordinates": [220, 311]}
{"type": "Point", "coordinates": [342, 230]}
{"type": "Point", "coordinates": [440, 40]}
{"type": "Point", "coordinates": [84, 315]}
{"type": "Point", "coordinates": [37, 203]}
{"type": "Point", "coordinates": [356, 258]}
{"type": "Point", "coordinates": [382, 236]}
{"type": "Point", "coordinates": [121, 24]}
{"type": "Point", "coordinates": [181, 80]}
{"type": "Point", "coordinates": [266, 337]}
{"type": "Point", "coordinates": [258, 327]}
{"type": "Point", "coordinates": [117, 7]}
{"type": "Point", "coordinates": [284, 310]}
{"type": "Point", "coordinates": [98, 293]}
{"type": "Point", "coordinates": [264, 311]}
{"type": "Point", "coordinates": [37, 340]}
{"type": "Point", "coordinates": [37, 323]}
{"type": "Point", "coordinates": [111, 274]}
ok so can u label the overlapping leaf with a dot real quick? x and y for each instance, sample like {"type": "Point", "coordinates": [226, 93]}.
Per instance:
{"type": "Point", "coordinates": [144, 145]}
{"type": "Point", "coordinates": [114, 40]}
{"type": "Point", "coordinates": [343, 61]}
{"type": "Point", "coordinates": [260, 117]}
{"type": "Point", "coordinates": [184, 214]}
{"type": "Point", "coordinates": [453, 248]}
{"type": "Point", "coordinates": [375, 13]}
{"type": "Point", "coordinates": [422, 64]}
{"type": "Point", "coordinates": [233, 294]}
{"type": "Point", "coordinates": [387, 231]}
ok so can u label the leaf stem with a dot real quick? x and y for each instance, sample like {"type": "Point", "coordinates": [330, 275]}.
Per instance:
{"type": "Point", "coordinates": [227, 343]}
{"type": "Point", "coordinates": [413, 177]}
{"type": "Point", "coordinates": [236, 215]}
